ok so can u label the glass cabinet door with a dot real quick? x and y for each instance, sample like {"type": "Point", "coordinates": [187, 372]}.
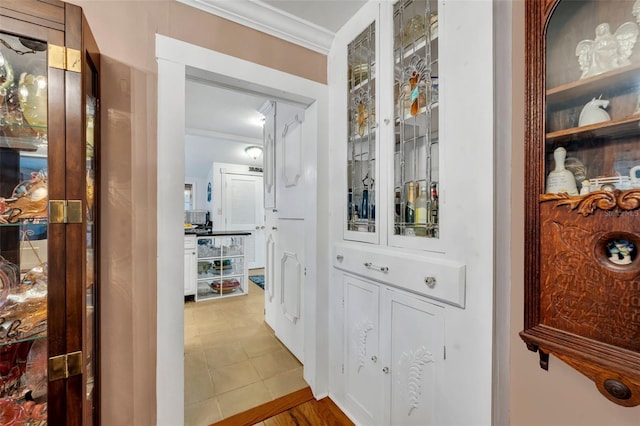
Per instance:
{"type": "Point", "coordinates": [361, 143]}
{"type": "Point", "coordinates": [415, 146]}
{"type": "Point", "coordinates": [23, 230]}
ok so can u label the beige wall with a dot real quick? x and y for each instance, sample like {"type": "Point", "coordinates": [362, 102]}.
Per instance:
{"type": "Point", "coordinates": [560, 396]}
{"type": "Point", "coordinates": [125, 33]}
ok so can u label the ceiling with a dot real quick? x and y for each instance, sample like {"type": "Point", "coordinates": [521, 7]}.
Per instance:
{"type": "Point", "coordinates": [220, 121]}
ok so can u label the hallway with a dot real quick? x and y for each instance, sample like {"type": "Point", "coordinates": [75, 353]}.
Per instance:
{"type": "Point", "coordinates": [233, 361]}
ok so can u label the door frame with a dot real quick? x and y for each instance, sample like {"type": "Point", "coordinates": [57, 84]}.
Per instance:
{"type": "Point", "coordinates": [175, 60]}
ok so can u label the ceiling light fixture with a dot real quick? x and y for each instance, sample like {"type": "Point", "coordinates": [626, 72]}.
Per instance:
{"type": "Point", "coordinates": [253, 151]}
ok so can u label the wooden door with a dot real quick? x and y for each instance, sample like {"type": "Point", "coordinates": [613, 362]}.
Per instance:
{"type": "Point", "coordinates": [415, 330]}
{"type": "Point", "coordinates": [362, 363]}
{"type": "Point", "coordinates": [50, 135]}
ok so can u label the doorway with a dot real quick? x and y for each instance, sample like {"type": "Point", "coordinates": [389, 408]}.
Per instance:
{"type": "Point", "coordinates": [176, 60]}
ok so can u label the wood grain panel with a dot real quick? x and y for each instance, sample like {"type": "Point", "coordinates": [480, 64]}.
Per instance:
{"type": "Point", "coordinates": [269, 409]}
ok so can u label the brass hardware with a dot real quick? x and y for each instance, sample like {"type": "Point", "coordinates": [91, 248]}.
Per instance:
{"type": "Point", "coordinates": [63, 211]}
{"type": "Point", "coordinates": [57, 211]}
{"type": "Point", "coordinates": [57, 367]}
{"type": "Point", "coordinates": [63, 366]}
{"type": "Point", "coordinates": [74, 211]}
{"type": "Point", "coordinates": [57, 56]}
{"type": "Point", "coordinates": [74, 363]}
{"type": "Point", "coordinates": [74, 60]}
{"type": "Point", "coordinates": [65, 59]}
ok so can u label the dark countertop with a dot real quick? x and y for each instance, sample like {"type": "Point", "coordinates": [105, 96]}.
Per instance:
{"type": "Point", "coordinates": [211, 233]}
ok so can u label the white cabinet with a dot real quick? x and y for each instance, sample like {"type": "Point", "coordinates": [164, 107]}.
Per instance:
{"type": "Point", "coordinates": [190, 265]}
{"type": "Point", "coordinates": [221, 269]}
{"type": "Point", "coordinates": [392, 384]}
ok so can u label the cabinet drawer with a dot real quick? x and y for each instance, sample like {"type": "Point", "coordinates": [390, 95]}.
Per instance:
{"type": "Point", "coordinates": [442, 280]}
{"type": "Point", "coordinates": [190, 242]}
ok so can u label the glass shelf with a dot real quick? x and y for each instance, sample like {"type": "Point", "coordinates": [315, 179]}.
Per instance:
{"type": "Point", "coordinates": [416, 176]}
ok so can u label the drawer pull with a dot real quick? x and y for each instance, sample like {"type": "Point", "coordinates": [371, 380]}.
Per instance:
{"type": "Point", "coordinates": [374, 358]}
{"type": "Point", "coordinates": [430, 281]}
{"type": "Point", "coordinates": [339, 258]}
{"type": "Point", "coordinates": [385, 370]}
{"type": "Point", "coordinates": [370, 265]}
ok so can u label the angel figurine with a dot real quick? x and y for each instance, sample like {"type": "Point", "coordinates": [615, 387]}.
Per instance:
{"type": "Point", "coordinates": [607, 51]}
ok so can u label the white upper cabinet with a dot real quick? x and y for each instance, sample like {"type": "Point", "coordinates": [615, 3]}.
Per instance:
{"type": "Point", "coordinates": [384, 73]}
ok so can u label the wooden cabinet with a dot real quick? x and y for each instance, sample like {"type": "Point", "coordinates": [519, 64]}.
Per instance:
{"type": "Point", "coordinates": [582, 272]}
{"type": "Point", "coordinates": [395, 384]}
{"type": "Point", "coordinates": [190, 265]}
{"type": "Point", "coordinates": [49, 157]}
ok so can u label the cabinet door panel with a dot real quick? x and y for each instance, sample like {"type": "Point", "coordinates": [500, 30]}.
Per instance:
{"type": "Point", "coordinates": [269, 140]}
{"type": "Point", "coordinates": [416, 342]}
{"type": "Point", "coordinates": [362, 369]}
{"type": "Point", "coordinates": [292, 133]}
{"type": "Point", "coordinates": [290, 281]}
{"type": "Point", "coordinates": [270, 273]}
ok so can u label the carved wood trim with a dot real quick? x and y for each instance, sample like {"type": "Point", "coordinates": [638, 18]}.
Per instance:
{"type": "Point", "coordinates": [616, 201]}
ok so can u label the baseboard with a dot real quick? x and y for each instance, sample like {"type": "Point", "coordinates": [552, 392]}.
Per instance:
{"type": "Point", "coordinates": [269, 409]}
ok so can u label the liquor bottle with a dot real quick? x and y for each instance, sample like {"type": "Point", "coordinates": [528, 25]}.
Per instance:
{"type": "Point", "coordinates": [434, 203]}
{"type": "Point", "coordinates": [364, 212]}
{"type": "Point", "coordinates": [410, 212]}
{"type": "Point", "coordinates": [421, 207]}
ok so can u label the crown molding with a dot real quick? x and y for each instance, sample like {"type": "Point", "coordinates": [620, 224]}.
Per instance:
{"type": "Point", "coordinates": [192, 131]}
{"type": "Point", "coordinates": [267, 19]}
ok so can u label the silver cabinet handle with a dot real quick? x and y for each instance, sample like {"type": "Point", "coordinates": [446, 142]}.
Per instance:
{"type": "Point", "coordinates": [370, 265]}
{"type": "Point", "coordinates": [430, 281]}
{"type": "Point", "coordinates": [339, 258]}
{"type": "Point", "coordinates": [385, 370]}
{"type": "Point", "coordinates": [257, 226]}
{"type": "Point", "coordinates": [374, 358]}
{"type": "Point", "coordinates": [275, 228]}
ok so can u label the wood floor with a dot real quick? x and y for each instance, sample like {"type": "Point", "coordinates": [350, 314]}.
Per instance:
{"type": "Point", "coordinates": [296, 409]}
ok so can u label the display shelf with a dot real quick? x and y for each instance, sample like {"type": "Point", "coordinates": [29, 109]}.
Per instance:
{"type": "Point", "coordinates": [613, 129]}
{"type": "Point", "coordinates": [582, 236]}
{"type": "Point", "coordinates": [221, 268]}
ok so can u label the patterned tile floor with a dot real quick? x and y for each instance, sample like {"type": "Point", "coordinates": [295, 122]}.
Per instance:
{"type": "Point", "coordinates": [232, 359]}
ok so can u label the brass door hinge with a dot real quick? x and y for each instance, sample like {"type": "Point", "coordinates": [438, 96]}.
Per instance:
{"type": "Point", "coordinates": [65, 58]}
{"type": "Point", "coordinates": [65, 211]}
{"type": "Point", "coordinates": [63, 366]}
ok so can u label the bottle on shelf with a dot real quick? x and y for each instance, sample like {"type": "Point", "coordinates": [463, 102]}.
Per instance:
{"type": "Point", "coordinates": [421, 207]}
{"type": "Point", "coordinates": [434, 204]}
{"type": "Point", "coordinates": [410, 212]}
{"type": "Point", "coordinates": [364, 211]}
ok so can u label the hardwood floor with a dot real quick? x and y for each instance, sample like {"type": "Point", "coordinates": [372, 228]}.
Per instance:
{"type": "Point", "coordinates": [296, 409]}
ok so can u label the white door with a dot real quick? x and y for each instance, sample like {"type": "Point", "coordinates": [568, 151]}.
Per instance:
{"type": "Point", "coordinates": [362, 363]}
{"type": "Point", "coordinates": [270, 268]}
{"type": "Point", "coordinates": [415, 330]}
{"type": "Point", "coordinates": [269, 142]}
{"type": "Point", "coordinates": [290, 275]}
{"type": "Point", "coordinates": [292, 133]}
{"type": "Point", "coordinates": [243, 211]}
{"type": "Point", "coordinates": [284, 307]}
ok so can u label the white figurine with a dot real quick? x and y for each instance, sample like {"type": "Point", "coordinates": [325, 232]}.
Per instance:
{"type": "Point", "coordinates": [561, 180]}
{"type": "Point", "coordinates": [593, 112]}
{"type": "Point", "coordinates": [607, 51]}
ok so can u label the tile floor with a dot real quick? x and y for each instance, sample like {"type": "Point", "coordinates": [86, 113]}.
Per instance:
{"type": "Point", "coordinates": [232, 360]}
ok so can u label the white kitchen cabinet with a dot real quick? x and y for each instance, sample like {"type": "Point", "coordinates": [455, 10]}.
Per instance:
{"type": "Point", "coordinates": [190, 262]}
{"type": "Point", "coordinates": [392, 384]}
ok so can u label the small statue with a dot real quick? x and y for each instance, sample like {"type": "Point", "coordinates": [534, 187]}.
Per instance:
{"type": "Point", "coordinates": [560, 179]}
{"type": "Point", "coordinates": [593, 112]}
{"type": "Point", "coordinates": [607, 51]}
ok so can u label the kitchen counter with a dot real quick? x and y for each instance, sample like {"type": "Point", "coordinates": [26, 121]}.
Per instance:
{"type": "Point", "coordinates": [212, 233]}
